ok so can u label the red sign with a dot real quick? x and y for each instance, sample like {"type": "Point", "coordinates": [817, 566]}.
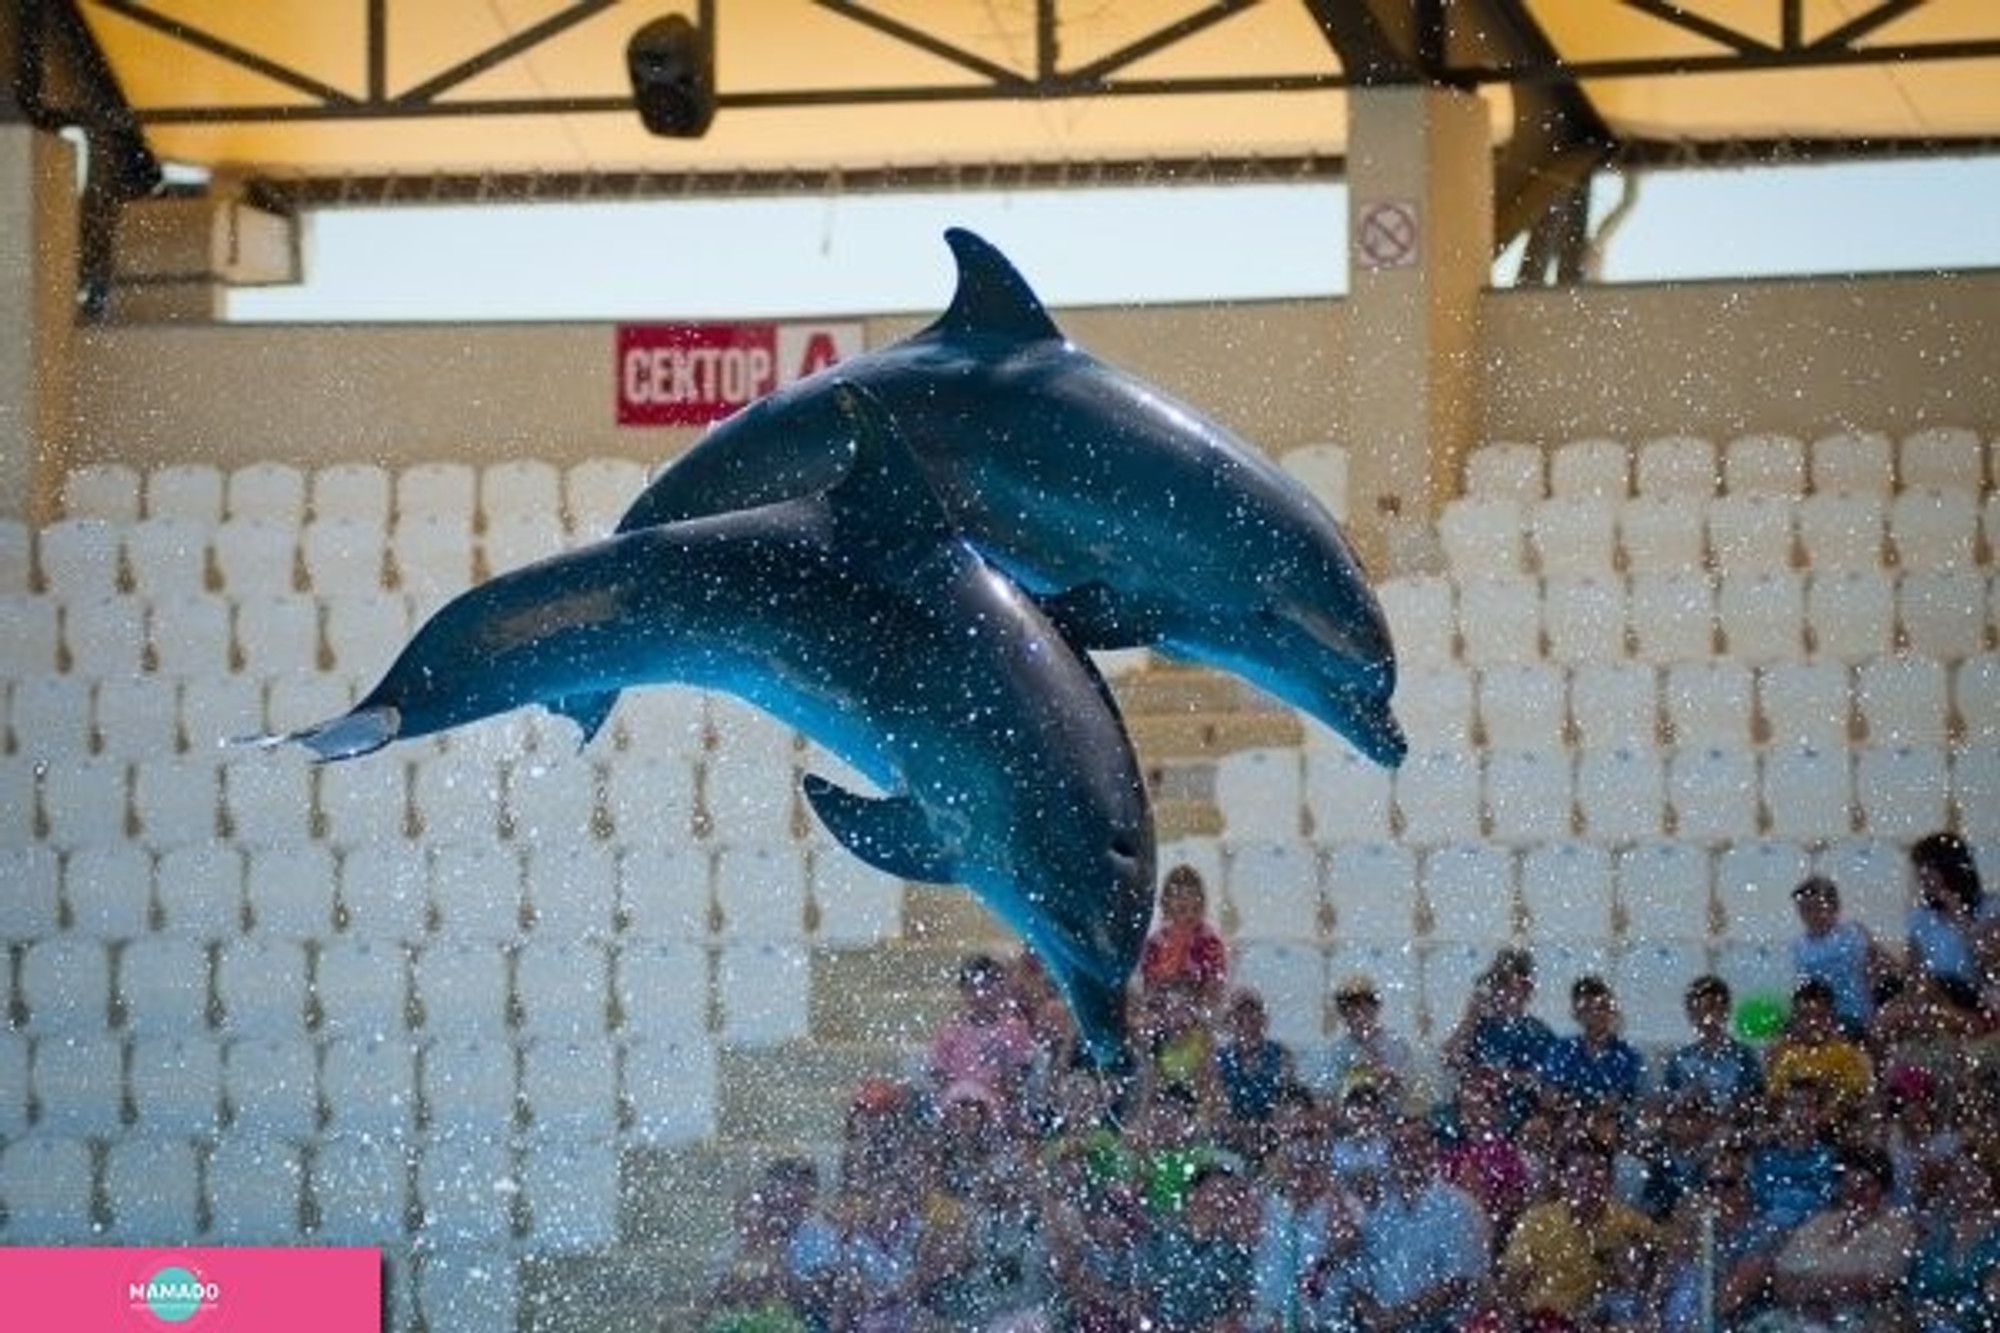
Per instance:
{"type": "Point", "coordinates": [692, 374]}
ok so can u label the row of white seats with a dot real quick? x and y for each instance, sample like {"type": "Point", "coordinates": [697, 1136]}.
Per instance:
{"type": "Point", "coordinates": [547, 1197]}
{"type": "Point", "coordinates": [1296, 891]}
{"type": "Point", "coordinates": [562, 891]}
{"type": "Point", "coordinates": [72, 986]}
{"type": "Point", "coordinates": [1952, 457]}
{"type": "Point", "coordinates": [1578, 536]}
{"type": "Point", "coordinates": [1829, 704]}
{"type": "Point", "coordinates": [586, 498]}
{"type": "Point", "coordinates": [1770, 616]}
{"type": "Point", "coordinates": [1703, 794]}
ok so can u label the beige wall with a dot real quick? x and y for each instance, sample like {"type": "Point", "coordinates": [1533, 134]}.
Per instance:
{"type": "Point", "coordinates": [1800, 356]}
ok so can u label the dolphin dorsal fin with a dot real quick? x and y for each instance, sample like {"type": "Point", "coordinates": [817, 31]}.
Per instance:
{"type": "Point", "coordinates": [993, 298]}
{"type": "Point", "coordinates": [884, 486]}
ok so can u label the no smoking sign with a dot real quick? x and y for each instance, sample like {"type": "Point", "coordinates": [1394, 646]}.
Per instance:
{"type": "Point", "coordinates": [1385, 235]}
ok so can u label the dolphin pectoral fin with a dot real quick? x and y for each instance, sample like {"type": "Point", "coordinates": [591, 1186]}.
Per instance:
{"type": "Point", "coordinates": [343, 737]}
{"type": "Point", "coordinates": [889, 833]}
{"type": "Point", "coordinates": [589, 711]}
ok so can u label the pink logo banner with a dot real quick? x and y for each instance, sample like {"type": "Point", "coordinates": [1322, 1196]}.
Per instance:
{"type": "Point", "coordinates": [200, 1289]}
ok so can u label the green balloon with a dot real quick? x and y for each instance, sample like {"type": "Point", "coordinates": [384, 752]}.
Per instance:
{"type": "Point", "coordinates": [1760, 1017]}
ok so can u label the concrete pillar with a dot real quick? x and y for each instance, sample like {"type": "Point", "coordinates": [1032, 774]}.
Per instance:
{"type": "Point", "coordinates": [1420, 228]}
{"type": "Point", "coordinates": [38, 257]}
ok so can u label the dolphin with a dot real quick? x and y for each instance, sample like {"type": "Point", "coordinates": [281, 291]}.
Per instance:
{"type": "Point", "coordinates": [1132, 519]}
{"type": "Point", "coordinates": [859, 617]}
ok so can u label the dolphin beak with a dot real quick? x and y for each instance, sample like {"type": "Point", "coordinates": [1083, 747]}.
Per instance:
{"type": "Point", "coordinates": [344, 737]}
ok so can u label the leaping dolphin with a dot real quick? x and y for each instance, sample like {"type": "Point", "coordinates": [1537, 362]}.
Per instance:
{"type": "Point", "coordinates": [856, 615]}
{"type": "Point", "coordinates": [1131, 518]}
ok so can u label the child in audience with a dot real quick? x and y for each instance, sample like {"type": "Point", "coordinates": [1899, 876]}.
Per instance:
{"type": "Point", "coordinates": [1841, 953]}
{"type": "Point", "coordinates": [1184, 947]}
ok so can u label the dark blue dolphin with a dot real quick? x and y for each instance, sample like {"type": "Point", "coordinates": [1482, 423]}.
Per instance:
{"type": "Point", "coordinates": [1134, 520]}
{"type": "Point", "coordinates": [857, 616]}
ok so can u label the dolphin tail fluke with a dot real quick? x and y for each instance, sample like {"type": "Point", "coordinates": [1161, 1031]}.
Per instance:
{"type": "Point", "coordinates": [589, 711]}
{"type": "Point", "coordinates": [889, 833]}
{"type": "Point", "coordinates": [343, 737]}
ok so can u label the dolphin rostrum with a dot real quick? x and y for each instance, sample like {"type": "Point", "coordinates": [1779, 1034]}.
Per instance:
{"type": "Point", "coordinates": [1131, 518]}
{"type": "Point", "coordinates": [856, 615]}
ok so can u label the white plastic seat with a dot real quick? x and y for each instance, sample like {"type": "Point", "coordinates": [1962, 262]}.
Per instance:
{"type": "Point", "coordinates": [1598, 469]}
{"type": "Point", "coordinates": [457, 795]}
{"type": "Point", "coordinates": [747, 797]}
{"type": "Point", "coordinates": [345, 558]}
{"type": "Point", "coordinates": [1615, 703]}
{"type": "Point", "coordinates": [1260, 792]}
{"type": "Point", "coordinates": [262, 985]}
{"type": "Point", "coordinates": [563, 988]}
{"type": "Point", "coordinates": [1859, 461]}
{"type": "Point", "coordinates": [1292, 980]}
{"type": "Point", "coordinates": [1348, 798]}
{"type": "Point", "coordinates": [1712, 793]}
{"type": "Point", "coordinates": [597, 492]}
{"type": "Point", "coordinates": [1528, 795]}
{"type": "Point", "coordinates": [271, 1086]}
{"type": "Point", "coordinates": [1676, 465]}
{"type": "Point", "coordinates": [359, 1184]}
{"type": "Point", "coordinates": [1975, 698]}
{"type": "Point", "coordinates": [32, 644]}
{"type": "Point", "coordinates": [518, 487]}
{"type": "Point", "coordinates": [267, 798]}
{"type": "Point", "coordinates": [1750, 534]}
{"type": "Point", "coordinates": [255, 1187]}
{"type": "Point", "coordinates": [277, 634]}
{"type": "Point", "coordinates": [1851, 614]}
{"type": "Point", "coordinates": [438, 490]}
{"type": "Point", "coordinates": [1874, 879]}
{"type": "Point", "coordinates": [168, 556]}
{"type": "Point", "coordinates": [1975, 791]}
{"type": "Point", "coordinates": [1437, 797]}
{"type": "Point", "coordinates": [663, 989]}
{"type": "Point", "coordinates": [256, 557]}
{"type": "Point", "coordinates": [1484, 535]}
{"type": "Point", "coordinates": [365, 804]}
{"type": "Point", "coordinates": [1621, 794]}
{"type": "Point", "coordinates": [1948, 457]}
{"type": "Point", "coordinates": [198, 890]}
{"type": "Point", "coordinates": [1901, 791]}
{"type": "Point", "coordinates": [20, 806]}
{"type": "Point", "coordinates": [108, 491]}
{"type": "Point", "coordinates": [1469, 892]}
{"type": "Point", "coordinates": [1764, 464]}
{"type": "Point", "coordinates": [369, 1083]}
{"type": "Point", "coordinates": [84, 801]}
{"type": "Point", "coordinates": [384, 892]}
{"type": "Point", "coordinates": [761, 990]}
{"type": "Point", "coordinates": [176, 1084]}
{"type": "Point", "coordinates": [1650, 979]}
{"type": "Point", "coordinates": [1843, 530]}
{"type": "Point", "coordinates": [177, 798]}
{"type": "Point", "coordinates": [571, 889]}
{"type": "Point", "coordinates": [1567, 891]}
{"type": "Point", "coordinates": [1585, 619]}
{"type": "Point", "coordinates": [760, 890]}
{"type": "Point", "coordinates": [185, 490]}
{"type": "Point", "coordinates": [570, 1087]}
{"type": "Point", "coordinates": [1944, 613]}
{"type": "Point", "coordinates": [45, 1182]}
{"type": "Point", "coordinates": [163, 985]}
{"type": "Point", "coordinates": [1272, 888]}
{"type": "Point", "coordinates": [551, 798]}
{"type": "Point", "coordinates": [475, 892]}
{"type": "Point", "coordinates": [1673, 617]}
{"type": "Point", "coordinates": [572, 1191]}
{"type": "Point", "coordinates": [1806, 703]}
{"type": "Point", "coordinates": [1508, 625]}
{"type": "Point", "coordinates": [1660, 534]}
{"type": "Point", "coordinates": [353, 493]}
{"type": "Point", "coordinates": [1762, 616]}
{"type": "Point", "coordinates": [267, 490]}
{"type": "Point", "coordinates": [1932, 528]}
{"type": "Point", "coordinates": [138, 717]}
{"type": "Point", "coordinates": [1753, 889]}
{"type": "Point", "coordinates": [53, 716]}
{"type": "Point", "coordinates": [858, 905]}
{"type": "Point", "coordinates": [1373, 890]}
{"type": "Point", "coordinates": [1422, 615]}
{"type": "Point", "coordinates": [1808, 792]}
{"type": "Point", "coordinates": [462, 988]}
{"type": "Point", "coordinates": [289, 890]}
{"type": "Point", "coordinates": [79, 1083]}
{"type": "Point", "coordinates": [1709, 703]}
{"type": "Point", "coordinates": [80, 558]}
{"type": "Point", "coordinates": [1506, 470]}
{"type": "Point", "coordinates": [514, 540]}
{"type": "Point", "coordinates": [470, 1083]}
{"type": "Point", "coordinates": [432, 557]}
{"type": "Point", "coordinates": [1435, 707]}
{"type": "Point", "coordinates": [189, 636]}
{"type": "Point", "coordinates": [104, 637]}
{"type": "Point", "coordinates": [361, 988]}
{"type": "Point", "coordinates": [364, 634]}
{"type": "Point", "coordinates": [461, 1209]}
{"type": "Point", "coordinates": [31, 908]}
{"type": "Point", "coordinates": [1902, 700]}
{"type": "Point", "coordinates": [1323, 469]}
{"type": "Point", "coordinates": [1451, 968]}
{"type": "Point", "coordinates": [667, 721]}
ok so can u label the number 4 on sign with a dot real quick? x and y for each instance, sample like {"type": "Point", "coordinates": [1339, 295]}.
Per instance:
{"type": "Point", "coordinates": [806, 349]}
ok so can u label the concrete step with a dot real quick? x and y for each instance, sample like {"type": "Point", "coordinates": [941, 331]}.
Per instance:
{"type": "Point", "coordinates": [1160, 737]}
{"type": "Point", "coordinates": [894, 995]}
{"type": "Point", "coordinates": [797, 1093]}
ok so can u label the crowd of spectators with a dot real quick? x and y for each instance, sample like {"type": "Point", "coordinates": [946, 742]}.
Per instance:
{"type": "Point", "coordinates": [1841, 1171]}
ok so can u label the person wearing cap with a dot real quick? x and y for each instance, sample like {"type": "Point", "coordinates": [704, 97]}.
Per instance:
{"type": "Point", "coordinates": [1497, 1031]}
{"type": "Point", "coordinates": [1365, 1051]}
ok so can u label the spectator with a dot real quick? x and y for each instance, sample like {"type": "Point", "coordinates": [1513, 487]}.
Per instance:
{"type": "Point", "coordinates": [1481, 1158]}
{"type": "Point", "coordinates": [1954, 1281]}
{"type": "Point", "coordinates": [1199, 1263]}
{"type": "Point", "coordinates": [1594, 1067]}
{"type": "Point", "coordinates": [1716, 1068]}
{"type": "Point", "coordinates": [1497, 1031]}
{"type": "Point", "coordinates": [1841, 953]}
{"type": "Point", "coordinates": [1720, 1251]}
{"type": "Point", "coordinates": [986, 1043]}
{"type": "Point", "coordinates": [1251, 1067]}
{"type": "Point", "coordinates": [1844, 1267]}
{"type": "Point", "coordinates": [1952, 931]}
{"type": "Point", "coordinates": [1306, 1239]}
{"type": "Point", "coordinates": [1365, 1051]}
{"type": "Point", "coordinates": [1792, 1175]}
{"type": "Point", "coordinates": [1184, 947]}
{"type": "Point", "coordinates": [1812, 1047]}
{"type": "Point", "coordinates": [1099, 1237]}
{"type": "Point", "coordinates": [753, 1291]}
{"type": "Point", "coordinates": [1425, 1246]}
{"type": "Point", "coordinates": [1562, 1257]}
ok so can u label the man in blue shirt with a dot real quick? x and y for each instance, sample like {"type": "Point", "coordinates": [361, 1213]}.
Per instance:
{"type": "Point", "coordinates": [1594, 1066]}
